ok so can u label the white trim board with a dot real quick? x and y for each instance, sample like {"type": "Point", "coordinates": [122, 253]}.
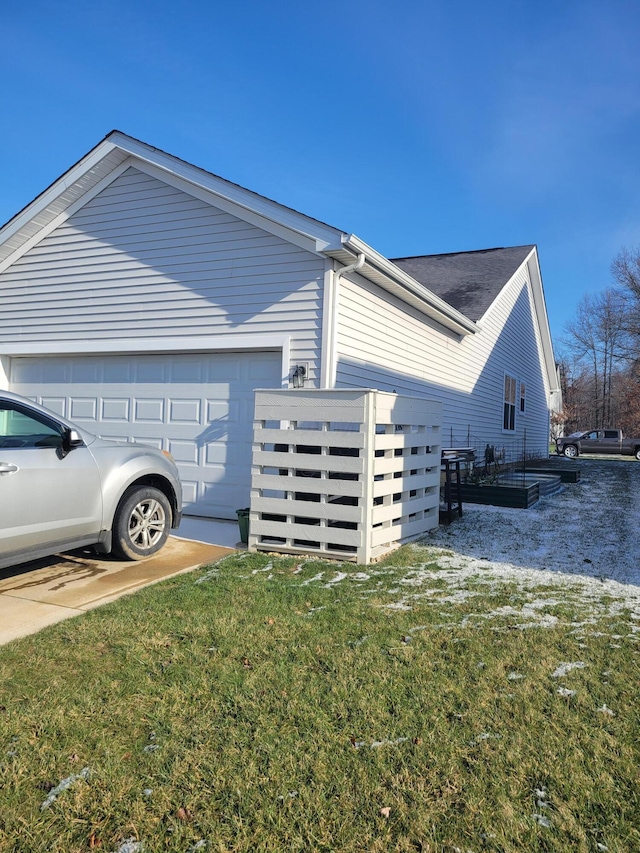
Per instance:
{"type": "Point", "coordinates": [322, 234]}
{"type": "Point", "coordinates": [242, 212]}
{"type": "Point", "coordinates": [64, 215]}
{"type": "Point", "coordinates": [152, 346]}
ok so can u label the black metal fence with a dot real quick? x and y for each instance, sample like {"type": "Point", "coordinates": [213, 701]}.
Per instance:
{"type": "Point", "coordinates": [486, 458]}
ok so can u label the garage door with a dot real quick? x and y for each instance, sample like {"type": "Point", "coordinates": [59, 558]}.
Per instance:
{"type": "Point", "coordinates": [199, 406]}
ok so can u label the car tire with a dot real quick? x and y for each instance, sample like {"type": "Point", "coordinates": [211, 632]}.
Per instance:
{"type": "Point", "coordinates": [142, 523]}
{"type": "Point", "coordinates": [637, 454]}
{"type": "Point", "coordinates": [570, 451]}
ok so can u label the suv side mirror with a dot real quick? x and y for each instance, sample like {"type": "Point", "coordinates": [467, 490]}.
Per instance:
{"type": "Point", "coordinates": [70, 438]}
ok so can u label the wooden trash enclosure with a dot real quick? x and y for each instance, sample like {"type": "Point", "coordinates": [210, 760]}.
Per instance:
{"type": "Point", "coordinates": [348, 474]}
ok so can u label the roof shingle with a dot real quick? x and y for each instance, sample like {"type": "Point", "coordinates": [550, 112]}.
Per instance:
{"type": "Point", "coordinates": [468, 281]}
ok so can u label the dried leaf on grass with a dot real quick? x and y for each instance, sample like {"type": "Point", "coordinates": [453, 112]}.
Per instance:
{"type": "Point", "coordinates": [184, 814]}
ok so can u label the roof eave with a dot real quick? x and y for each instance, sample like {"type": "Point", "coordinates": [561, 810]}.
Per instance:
{"type": "Point", "coordinates": [44, 211]}
{"type": "Point", "coordinates": [322, 234]}
{"type": "Point", "coordinates": [535, 276]}
{"type": "Point", "coordinates": [58, 196]}
{"type": "Point", "coordinates": [387, 275]}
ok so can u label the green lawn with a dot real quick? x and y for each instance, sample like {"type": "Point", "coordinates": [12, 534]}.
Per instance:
{"type": "Point", "coordinates": [278, 704]}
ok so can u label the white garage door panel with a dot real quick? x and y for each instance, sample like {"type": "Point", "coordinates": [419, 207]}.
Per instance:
{"type": "Point", "coordinates": [199, 407]}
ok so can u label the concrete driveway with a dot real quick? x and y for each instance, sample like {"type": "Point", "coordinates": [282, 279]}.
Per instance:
{"type": "Point", "coordinates": [43, 592]}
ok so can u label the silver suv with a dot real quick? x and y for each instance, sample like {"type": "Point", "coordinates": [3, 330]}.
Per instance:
{"type": "Point", "coordinates": [62, 488]}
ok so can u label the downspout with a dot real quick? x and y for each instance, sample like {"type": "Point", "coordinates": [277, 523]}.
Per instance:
{"type": "Point", "coordinates": [337, 275]}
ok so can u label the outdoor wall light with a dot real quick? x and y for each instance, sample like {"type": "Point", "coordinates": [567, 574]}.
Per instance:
{"type": "Point", "coordinates": [298, 376]}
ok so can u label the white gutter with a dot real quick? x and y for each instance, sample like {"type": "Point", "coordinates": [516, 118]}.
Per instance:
{"type": "Point", "coordinates": [431, 304]}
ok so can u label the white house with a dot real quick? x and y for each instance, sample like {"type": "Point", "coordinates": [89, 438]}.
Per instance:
{"type": "Point", "coordinates": [146, 299]}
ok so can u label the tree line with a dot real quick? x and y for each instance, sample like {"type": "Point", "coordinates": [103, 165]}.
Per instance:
{"type": "Point", "coordinates": [600, 356]}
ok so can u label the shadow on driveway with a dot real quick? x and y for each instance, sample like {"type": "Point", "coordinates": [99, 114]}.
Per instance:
{"type": "Point", "coordinates": [34, 595]}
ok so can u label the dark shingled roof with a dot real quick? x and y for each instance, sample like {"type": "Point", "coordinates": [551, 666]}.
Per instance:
{"type": "Point", "coordinates": [468, 281]}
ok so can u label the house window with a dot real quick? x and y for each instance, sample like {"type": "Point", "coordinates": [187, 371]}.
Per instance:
{"type": "Point", "coordinates": [509, 416]}
{"type": "Point", "coordinates": [523, 396]}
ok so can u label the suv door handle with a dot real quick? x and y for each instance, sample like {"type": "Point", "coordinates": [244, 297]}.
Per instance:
{"type": "Point", "coordinates": [8, 468]}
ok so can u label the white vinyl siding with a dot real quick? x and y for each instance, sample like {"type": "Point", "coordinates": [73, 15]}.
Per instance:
{"type": "Point", "coordinates": [145, 259]}
{"type": "Point", "coordinates": [383, 344]}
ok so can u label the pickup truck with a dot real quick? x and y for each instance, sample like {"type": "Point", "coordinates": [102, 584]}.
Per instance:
{"type": "Point", "coordinates": [598, 441]}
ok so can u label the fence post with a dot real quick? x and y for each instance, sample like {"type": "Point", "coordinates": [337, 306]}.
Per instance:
{"type": "Point", "coordinates": [365, 549]}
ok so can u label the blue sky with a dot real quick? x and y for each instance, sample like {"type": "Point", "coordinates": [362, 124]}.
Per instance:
{"type": "Point", "coordinates": [422, 127]}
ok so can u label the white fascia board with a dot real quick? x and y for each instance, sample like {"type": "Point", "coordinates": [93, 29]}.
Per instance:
{"type": "Point", "coordinates": [303, 241]}
{"type": "Point", "coordinates": [52, 224]}
{"type": "Point", "coordinates": [409, 289]}
{"type": "Point", "coordinates": [532, 266]}
{"type": "Point", "coordinates": [295, 227]}
{"type": "Point", "coordinates": [540, 305]}
{"type": "Point", "coordinates": [322, 235]}
{"type": "Point", "coordinates": [56, 189]}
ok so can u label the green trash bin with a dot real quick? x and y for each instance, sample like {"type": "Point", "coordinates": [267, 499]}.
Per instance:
{"type": "Point", "coordinates": [243, 523]}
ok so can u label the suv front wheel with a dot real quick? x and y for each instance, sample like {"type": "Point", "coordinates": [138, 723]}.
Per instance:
{"type": "Point", "coordinates": [142, 523]}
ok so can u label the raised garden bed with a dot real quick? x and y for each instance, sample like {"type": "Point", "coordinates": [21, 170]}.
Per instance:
{"type": "Point", "coordinates": [567, 474]}
{"type": "Point", "coordinates": [519, 497]}
{"type": "Point", "coordinates": [549, 483]}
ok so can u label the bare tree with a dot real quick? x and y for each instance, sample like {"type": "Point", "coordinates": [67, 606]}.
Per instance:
{"type": "Point", "coordinates": [610, 318]}
{"type": "Point", "coordinates": [625, 270]}
{"type": "Point", "coordinates": [576, 383]}
{"type": "Point", "coordinates": [601, 369]}
{"type": "Point", "coordinates": [596, 341]}
{"type": "Point", "coordinates": [629, 401]}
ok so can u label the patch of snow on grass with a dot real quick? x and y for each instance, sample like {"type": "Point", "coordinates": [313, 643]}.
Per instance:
{"type": "Point", "coordinates": [566, 668]}
{"type": "Point", "coordinates": [62, 786]}
{"type": "Point", "coordinates": [339, 576]}
{"type": "Point", "coordinates": [130, 846]}
{"type": "Point", "coordinates": [562, 532]}
{"type": "Point", "coordinates": [266, 568]}
{"type": "Point", "coordinates": [484, 736]}
{"type": "Point", "coordinates": [563, 561]}
{"type": "Point", "coordinates": [378, 743]}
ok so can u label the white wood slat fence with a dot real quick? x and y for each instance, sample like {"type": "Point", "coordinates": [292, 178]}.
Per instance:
{"type": "Point", "coordinates": [348, 473]}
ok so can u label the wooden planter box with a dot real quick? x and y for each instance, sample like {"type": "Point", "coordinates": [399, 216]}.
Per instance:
{"type": "Point", "coordinates": [519, 497]}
